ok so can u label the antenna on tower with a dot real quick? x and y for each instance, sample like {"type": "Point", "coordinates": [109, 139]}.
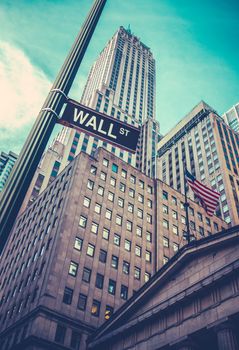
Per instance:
{"type": "Point", "coordinates": [129, 30]}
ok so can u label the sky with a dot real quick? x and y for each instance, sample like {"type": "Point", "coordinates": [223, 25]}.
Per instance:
{"type": "Point", "coordinates": [194, 43]}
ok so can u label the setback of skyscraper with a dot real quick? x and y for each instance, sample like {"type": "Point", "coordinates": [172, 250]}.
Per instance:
{"type": "Point", "coordinates": [209, 148]}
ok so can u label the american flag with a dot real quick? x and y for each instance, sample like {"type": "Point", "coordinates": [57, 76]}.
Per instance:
{"type": "Point", "coordinates": [209, 198]}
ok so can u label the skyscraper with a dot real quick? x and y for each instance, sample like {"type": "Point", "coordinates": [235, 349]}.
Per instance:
{"type": "Point", "coordinates": [121, 83]}
{"type": "Point", "coordinates": [231, 117]}
{"type": "Point", "coordinates": [209, 149]}
{"type": "Point", "coordinates": [7, 162]}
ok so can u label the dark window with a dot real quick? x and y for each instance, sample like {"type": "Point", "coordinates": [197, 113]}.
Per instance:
{"type": "Point", "coordinates": [124, 292]}
{"type": "Point", "coordinates": [68, 294]}
{"type": "Point", "coordinates": [103, 256]}
{"type": "Point", "coordinates": [99, 281]}
{"type": "Point", "coordinates": [86, 275]}
{"type": "Point", "coordinates": [82, 302]}
{"type": "Point", "coordinates": [60, 334]}
{"type": "Point", "coordinates": [75, 340]}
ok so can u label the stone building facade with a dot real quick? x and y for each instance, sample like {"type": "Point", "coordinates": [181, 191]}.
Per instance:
{"type": "Point", "coordinates": [91, 239]}
{"type": "Point", "coordinates": [192, 303]}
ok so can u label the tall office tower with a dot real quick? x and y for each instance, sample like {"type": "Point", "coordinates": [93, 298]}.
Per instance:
{"type": "Point", "coordinates": [231, 117]}
{"type": "Point", "coordinates": [121, 83]}
{"type": "Point", "coordinates": [7, 162]}
{"type": "Point", "coordinates": [210, 149]}
{"type": "Point", "coordinates": [93, 237]}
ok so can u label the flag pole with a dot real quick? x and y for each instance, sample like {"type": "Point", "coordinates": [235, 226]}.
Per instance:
{"type": "Point", "coordinates": [186, 206]}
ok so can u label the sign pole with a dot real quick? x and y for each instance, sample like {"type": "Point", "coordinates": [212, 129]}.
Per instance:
{"type": "Point", "coordinates": [21, 176]}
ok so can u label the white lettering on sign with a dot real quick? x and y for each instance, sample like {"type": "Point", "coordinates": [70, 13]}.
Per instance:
{"type": "Point", "coordinates": [88, 120]}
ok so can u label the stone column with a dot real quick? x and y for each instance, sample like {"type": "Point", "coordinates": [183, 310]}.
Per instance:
{"type": "Point", "coordinates": [226, 336]}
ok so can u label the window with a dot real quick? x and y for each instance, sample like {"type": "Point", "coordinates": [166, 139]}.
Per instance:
{"type": "Point", "coordinates": [175, 247]}
{"type": "Point", "coordinates": [165, 223]}
{"type": "Point", "coordinates": [131, 193]}
{"type": "Point", "coordinates": [108, 312]}
{"type": "Point", "coordinates": [99, 281]}
{"type": "Point", "coordinates": [129, 225]}
{"type": "Point", "coordinates": [165, 242]}
{"type": "Point", "coordinates": [183, 219]}
{"type": "Point", "coordinates": [124, 292]}
{"type": "Point", "coordinates": [124, 173]}
{"type": "Point", "coordinates": [105, 162]}
{"type": "Point", "coordinates": [86, 202]}
{"type": "Point", "coordinates": [111, 196]}
{"type": "Point", "coordinates": [95, 309]}
{"type": "Point", "coordinates": [215, 226]}
{"type": "Point", "coordinates": [150, 189]}
{"type": "Point", "coordinates": [103, 256]}
{"type": "Point", "coordinates": [115, 168]}
{"type": "Point", "coordinates": [73, 269]}
{"type": "Point", "coordinates": [78, 243]}
{"type": "Point", "coordinates": [120, 202]}
{"type": "Point", "coordinates": [191, 211]}
{"type": "Point", "coordinates": [137, 250]}
{"type": "Point", "coordinates": [174, 200]}
{"type": "Point", "coordinates": [175, 230]}
{"type": "Point", "coordinates": [122, 187]}
{"type": "Point", "coordinates": [118, 220]}
{"type": "Point", "coordinates": [192, 225]}
{"type": "Point", "coordinates": [90, 184]}
{"type": "Point", "coordinates": [147, 276]}
{"type": "Point", "coordinates": [113, 181]}
{"type": "Point", "coordinates": [108, 214]}
{"type": "Point", "coordinates": [93, 170]}
{"type": "Point", "coordinates": [103, 176]}
{"type": "Point", "coordinates": [83, 221]}
{"type": "Point", "coordinates": [130, 208]}
{"type": "Point", "coordinates": [141, 184]}
{"type": "Point", "coordinates": [97, 208]}
{"type": "Point", "coordinates": [60, 334]}
{"type": "Point", "coordinates": [114, 262]}
{"type": "Point", "coordinates": [149, 218]}
{"type": "Point", "coordinates": [127, 245]}
{"type": "Point", "coordinates": [201, 231]}
{"type": "Point", "coordinates": [106, 233]}
{"type": "Point", "coordinates": [139, 231]}
{"type": "Point", "coordinates": [147, 256]}
{"type": "Point", "coordinates": [141, 198]}
{"type": "Point", "coordinates": [68, 294]}
{"type": "Point", "coordinates": [199, 216]}
{"type": "Point", "coordinates": [165, 195]}
{"type": "Point", "coordinates": [132, 179]}
{"type": "Point", "coordinates": [165, 209]}
{"type": "Point", "coordinates": [126, 267]}
{"type": "Point", "coordinates": [112, 287]}
{"type": "Point", "coordinates": [86, 275]}
{"type": "Point", "coordinates": [116, 239]}
{"type": "Point", "coordinates": [100, 191]}
{"type": "Point", "coordinates": [137, 273]}
{"type": "Point", "coordinates": [165, 260]}
{"type": "Point", "coordinates": [140, 213]}
{"type": "Point", "coordinates": [90, 249]}
{"type": "Point", "coordinates": [149, 203]}
{"type": "Point", "coordinates": [94, 227]}
{"type": "Point", "coordinates": [75, 340]}
{"type": "Point", "coordinates": [174, 214]}
{"type": "Point", "coordinates": [208, 221]}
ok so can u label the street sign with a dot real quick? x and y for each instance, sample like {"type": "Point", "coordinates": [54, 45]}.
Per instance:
{"type": "Point", "coordinates": [100, 125]}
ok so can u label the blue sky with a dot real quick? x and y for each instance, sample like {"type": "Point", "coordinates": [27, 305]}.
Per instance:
{"type": "Point", "coordinates": [195, 45]}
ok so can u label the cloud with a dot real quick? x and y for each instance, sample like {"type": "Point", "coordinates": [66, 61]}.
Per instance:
{"type": "Point", "coordinates": [23, 88]}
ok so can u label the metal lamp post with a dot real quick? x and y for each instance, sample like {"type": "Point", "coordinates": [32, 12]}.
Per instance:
{"type": "Point", "coordinates": [13, 195]}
